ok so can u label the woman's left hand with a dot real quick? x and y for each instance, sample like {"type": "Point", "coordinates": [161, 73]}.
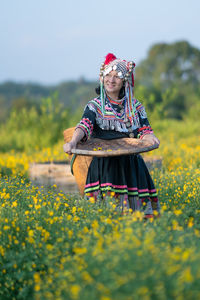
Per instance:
{"type": "Point", "coordinates": [151, 138]}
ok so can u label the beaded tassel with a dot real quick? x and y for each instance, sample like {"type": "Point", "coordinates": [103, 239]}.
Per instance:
{"type": "Point", "coordinates": [129, 98]}
{"type": "Point", "coordinates": [102, 98]}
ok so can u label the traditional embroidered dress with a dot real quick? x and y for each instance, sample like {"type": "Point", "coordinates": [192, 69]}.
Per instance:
{"type": "Point", "coordinates": [127, 176]}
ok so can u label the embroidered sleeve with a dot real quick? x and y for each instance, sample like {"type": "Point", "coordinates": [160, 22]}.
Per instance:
{"type": "Point", "coordinates": [144, 127]}
{"type": "Point", "coordinates": [87, 122]}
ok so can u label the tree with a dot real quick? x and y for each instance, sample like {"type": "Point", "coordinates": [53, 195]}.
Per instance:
{"type": "Point", "coordinates": [170, 64]}
{"type": "Point", "coordinates": [173, 71]}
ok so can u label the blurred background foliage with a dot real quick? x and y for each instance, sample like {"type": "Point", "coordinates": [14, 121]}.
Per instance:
{"type": "Point", "coordinates": [34, 116]}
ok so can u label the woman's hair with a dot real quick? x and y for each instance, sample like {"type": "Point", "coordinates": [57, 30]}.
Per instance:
{"type": "Point", "coordinates": [121, 92]}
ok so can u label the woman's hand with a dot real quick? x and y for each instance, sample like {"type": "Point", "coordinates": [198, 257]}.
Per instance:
{"type": "Point", "coordinates": [77, 137]}
{"type": "Point", "coordinates": [151, 138]}
{"type": "Point", "coordinates": [69, 146]}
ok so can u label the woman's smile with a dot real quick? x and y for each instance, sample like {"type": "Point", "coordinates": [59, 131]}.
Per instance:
{"type": "Point", "coordinates": [113, 83]}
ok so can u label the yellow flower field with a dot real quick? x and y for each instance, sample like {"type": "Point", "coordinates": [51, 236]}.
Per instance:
{"type": "Point", "coordinates": [59, 246]}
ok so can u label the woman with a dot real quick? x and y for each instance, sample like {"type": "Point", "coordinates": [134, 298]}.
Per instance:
{"type": "Point", "coordinates": [116, 114]}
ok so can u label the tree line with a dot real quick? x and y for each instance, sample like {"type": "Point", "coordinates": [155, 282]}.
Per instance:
{"type": "Point", "coordinates": [167, 83]}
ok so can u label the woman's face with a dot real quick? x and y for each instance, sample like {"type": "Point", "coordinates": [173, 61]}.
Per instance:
{"type": "Point", "coordinates": [113, 83]}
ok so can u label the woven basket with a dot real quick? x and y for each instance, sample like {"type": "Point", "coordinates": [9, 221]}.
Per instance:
{"type": "Point", "coordinates": [80, 164]}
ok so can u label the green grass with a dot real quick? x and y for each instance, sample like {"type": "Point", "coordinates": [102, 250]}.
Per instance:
{"type": "Point", "coordinates": [56, 246]}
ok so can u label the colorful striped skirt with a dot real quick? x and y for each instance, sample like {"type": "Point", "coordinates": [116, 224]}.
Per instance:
{"type": "Point", "coordinates": [127, 178]}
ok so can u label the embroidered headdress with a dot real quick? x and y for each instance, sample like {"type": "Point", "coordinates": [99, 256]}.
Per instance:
{"type": "Point", "coordinates": [125, 72]}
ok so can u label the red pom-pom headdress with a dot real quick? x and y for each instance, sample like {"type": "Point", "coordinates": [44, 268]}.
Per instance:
{"type": "Point", "coordinates": [109, 57]}
{"type": "Point", "coordinates": [123, 68]}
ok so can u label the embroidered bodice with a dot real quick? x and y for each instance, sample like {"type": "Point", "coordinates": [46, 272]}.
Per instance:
{"type": "Point", "coordinates": [114, 121]}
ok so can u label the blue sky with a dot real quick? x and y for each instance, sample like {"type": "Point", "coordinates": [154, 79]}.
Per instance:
{"type": "Point", "coordinates": [48, 41]}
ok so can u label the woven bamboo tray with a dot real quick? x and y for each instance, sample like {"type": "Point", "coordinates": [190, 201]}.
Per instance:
{"type": "Point", "coordinates": [104, 148]}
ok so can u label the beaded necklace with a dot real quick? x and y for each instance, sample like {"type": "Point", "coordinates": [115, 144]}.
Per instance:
{"type": "Point", "coordinates": [122, 115]}
{"type": "Point", "coordinates": [119, 104]}
{"type": "Point", "coordinates": [120, 101]}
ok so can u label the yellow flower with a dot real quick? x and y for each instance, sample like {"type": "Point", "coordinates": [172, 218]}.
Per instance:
{"type": "Point", "coordinates": [14, 204]}
{"type": "Point", "coordinates": [31, 240]}
{"type": "Point", "coordinates": [37, 287]}
{"type": "Point", "coordinates": [35, 199]}
{"type": "Point", "coordinates": [31, 233]}
{"type": "Point", "coordinates": [155, 212]}
{"type": "Point", "coordinates": [85, 229]}
{"type": "Point", "coordinates": [178, 212]}
{"type": "Point", "coordinates": [73, 209]}
{"type": "Point", "coordinates": [75, 290]}
{"type": "Point", "coordinates": [186, 276]}
{"type": "Point", "coordinates": [2, 251]}
{"type": "Point", "coordinates": [92, 200]}
{"type": "Point", "coordinates": [36, 277]}
{"type": "Point", "coordinates": [6, 227]}
{"type": "Point", "coordinates": [70, 233]}
{"type": "Point", "coordinates": [76, 219]}
{"type": "Point", "coordinates": [49, 247]}
{"type": "Point", "coordinates": [143, 290]}
{"type": "Point", "coordinates": [108, 221]}
{"type": "Point", "coordinates": [37, 206]}
{"type": "Point", "coordinates": [79, 250]}
{"type": "Point", "coordinates": [95, 224]}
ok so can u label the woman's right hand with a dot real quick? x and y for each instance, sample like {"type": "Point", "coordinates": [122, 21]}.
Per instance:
{"type": "Point", "coordinates": [77, 137]}
{"type": "Point", "coordinates": [68, 147]}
